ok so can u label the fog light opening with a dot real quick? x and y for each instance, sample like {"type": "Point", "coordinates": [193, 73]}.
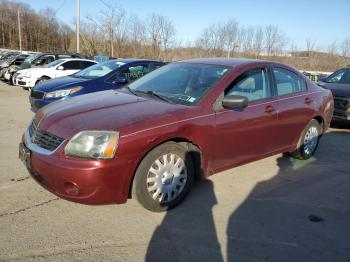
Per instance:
{"type": "Point", "coordinates": [71, 189]}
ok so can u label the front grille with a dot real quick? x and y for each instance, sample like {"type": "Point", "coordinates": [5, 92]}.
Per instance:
{"type": "Point", "coordinates": [37, 94]}
{"type": "Point", "coordinates": [43, 139]}
{"type": "Point", "coordinates": [341, 102]}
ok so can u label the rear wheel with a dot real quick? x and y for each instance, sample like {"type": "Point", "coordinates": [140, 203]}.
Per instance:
{"type": "Point", "coordinates": [163, 177]}
{"type": "Point", "coordinates": [308, 141]}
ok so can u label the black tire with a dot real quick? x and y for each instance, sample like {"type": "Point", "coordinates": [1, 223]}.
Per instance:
{"type": "Point", "coordinates": [140, 184]}
{"type": "Point", "coordinates": [42, 79]}
{"type": "Point", "coordinates": [302, 151]}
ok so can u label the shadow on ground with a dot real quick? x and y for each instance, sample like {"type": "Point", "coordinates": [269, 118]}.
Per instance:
{"type": "Point", "coordinates": [301, 214]}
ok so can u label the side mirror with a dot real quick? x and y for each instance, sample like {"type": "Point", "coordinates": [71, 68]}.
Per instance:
{"type": "Point", "coordinates": [235, 102]}
{"type": "Point", "coordinates": [120, 80]}
{"type": "Point", "coordinates": [60, 68]}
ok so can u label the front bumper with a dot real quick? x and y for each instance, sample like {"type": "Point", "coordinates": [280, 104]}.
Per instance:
{"type": "Point", "coordinates": [83, 181]}
{"type": "Point", "coordinates": [341, 109]}
{"type": "Point", "coordinates": [7, 76]}
{"type": "Point", "coordinates": [341, 115]}
{"type": "Point", "coordinates": [25, 82]}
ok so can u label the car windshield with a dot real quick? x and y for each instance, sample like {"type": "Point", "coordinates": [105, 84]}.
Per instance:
{"type": "Point", "coordinates": [30, 58]}
{"type": "Point", "coordinates": [339, 77]}
{"type": "Point", "coordinates": [99, 70]}
{"type": "Point", "coordinates": [54, 63]}
{"type": "Point", "coordinates": [182, 83]}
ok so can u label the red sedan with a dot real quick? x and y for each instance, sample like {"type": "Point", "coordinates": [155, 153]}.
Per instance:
{"type": "Point", "coordinates": [192, 118]}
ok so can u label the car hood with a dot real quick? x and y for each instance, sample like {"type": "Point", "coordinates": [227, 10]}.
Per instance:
{"type": "Point", "coordinates": [337, 89]}
{"type": "Point", "coordinates": [60, 83]}
{"type": "Point", "coordinates": [106, 110]}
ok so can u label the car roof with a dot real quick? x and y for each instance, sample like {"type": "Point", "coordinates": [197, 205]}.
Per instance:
{"type": "Point", "coordinates": [130, 60]}
{"type": "Point", "coordinates": [76, 59]}
{"type": "Point", "coordinates": [232, 62]}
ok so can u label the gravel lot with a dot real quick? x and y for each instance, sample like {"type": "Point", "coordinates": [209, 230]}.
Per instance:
{"type": "Point", "coordinates": [276, 209]}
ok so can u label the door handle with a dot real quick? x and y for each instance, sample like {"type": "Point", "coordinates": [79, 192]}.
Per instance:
{"type": "Point", "coordinates": [308, 100]}
{"type": "Point", "coordinates": [269, 109]}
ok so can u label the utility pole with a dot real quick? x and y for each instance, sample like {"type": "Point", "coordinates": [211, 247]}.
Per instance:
{"type": "Point", "coordinates": [78, 24]}
{"type": "Point", "coordinates": [19, 31]}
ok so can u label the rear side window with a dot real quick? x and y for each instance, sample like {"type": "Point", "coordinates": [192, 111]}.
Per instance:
{"type": "Point", "coordinates": [85, 64]}
{"type": "Point", "coordinates": [288, 82]}
{"type": "Point", "coordinates": [252, 84]}
{"type": "Point", "coordinates": [71, 65]}
{"type": "Point", "coordinates": [135, 71]}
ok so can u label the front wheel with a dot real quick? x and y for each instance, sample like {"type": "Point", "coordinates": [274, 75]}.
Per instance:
{"type": "Point", "coordinates": [163, 177]}
{"type": "Point", "coordinates": [308, 141]}
{"type": "Point", "coordinates": [42, 79]}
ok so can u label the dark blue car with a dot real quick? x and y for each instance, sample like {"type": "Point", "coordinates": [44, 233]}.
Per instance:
{"type": "Point", "coordinates": [111, 74]}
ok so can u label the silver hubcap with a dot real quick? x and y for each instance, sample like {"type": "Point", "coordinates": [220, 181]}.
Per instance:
{"type": "Point", "coordinates": [166, 178]}
{"type": "Point", "coordinates": [310, 140]}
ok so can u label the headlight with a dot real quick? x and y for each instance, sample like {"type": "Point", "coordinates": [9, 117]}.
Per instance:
{"type": "Point", "coordinates": [62, 93]}
{"type": "Point", "coordinates": [93, 145]}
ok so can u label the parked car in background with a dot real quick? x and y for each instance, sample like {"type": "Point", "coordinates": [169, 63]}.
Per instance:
{"type": "Point", "coordinates": [6, 55]}
{"type": "Point", "coordinates": [13, 65]}
{"type": "Point", "coordinates": [28, 78]}
{"type": "Point", "coordinates": [42, 59]}
{"type": "Point", "coordinates": [6, 62]}
{"type": "Point", "coordinates": [111, 74]}
{"type": "Point", "coordinates": [45, 58]}
{"type": "Point", "coordinates": [339, 84]}
{"type": "Point", "coordinates": [151, 138]}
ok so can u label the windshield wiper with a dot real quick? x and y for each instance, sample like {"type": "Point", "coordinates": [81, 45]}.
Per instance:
{"type": "Point", "coordinates": [156, 95]}
{"type": "Point", "coordinates": [130, 90]}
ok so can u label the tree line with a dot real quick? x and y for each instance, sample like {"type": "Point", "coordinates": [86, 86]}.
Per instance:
{"type": "Point", "coordinates": [115, 33]}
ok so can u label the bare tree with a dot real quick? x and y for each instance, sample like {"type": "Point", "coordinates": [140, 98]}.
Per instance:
{"type": "Point", "coordinates": [274, 40]}
{"type": "Point", "coordinates": [161, 34]}
{"type": "Point", "coordinates": [310, 46]}
{"type": "Point", "coordinates": [229, 33]}
{"type": "Point", "coordinates": [345, 47]}
{"type": "Point", "coordinates": [137, 33]}
{"type": "Point", "coordinates": [258, 43]}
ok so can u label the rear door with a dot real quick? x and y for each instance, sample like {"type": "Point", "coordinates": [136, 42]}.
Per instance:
{"type": "Point", "coordinates": [295, 105]}
{"type": "Point", "coordinates": [243, 135]}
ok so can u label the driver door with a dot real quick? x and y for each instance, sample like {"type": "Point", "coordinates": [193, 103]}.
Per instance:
{"type": "Point", "coordinates": [246, 134]}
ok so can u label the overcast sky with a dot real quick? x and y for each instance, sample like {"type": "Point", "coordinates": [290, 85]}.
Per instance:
{"type": "Point", "coordinates": [321, 20]}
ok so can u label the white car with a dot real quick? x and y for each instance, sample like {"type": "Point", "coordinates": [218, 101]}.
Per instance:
{"type": "Point", "coordinates": [28, 78]}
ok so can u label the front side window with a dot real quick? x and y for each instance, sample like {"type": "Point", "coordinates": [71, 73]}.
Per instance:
{"type": "Point", "coordinates": [288, 82]}
{"type": "Point", "coordinates": [43, 60]}
{"type": "Point", "coordinates": [183, 83]}
{"type": "Point", "coordinates": [253, 84]}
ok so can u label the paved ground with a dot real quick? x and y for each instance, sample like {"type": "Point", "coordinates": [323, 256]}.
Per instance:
{"type": "Point", "coordinates": [257, 212]}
